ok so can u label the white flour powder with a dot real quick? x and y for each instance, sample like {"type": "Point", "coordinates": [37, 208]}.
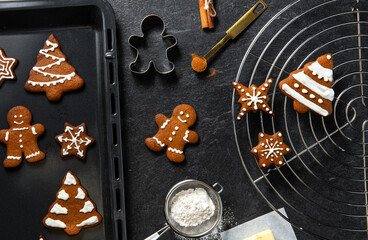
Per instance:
{"type": "Point", "coordinates": [192, 207]}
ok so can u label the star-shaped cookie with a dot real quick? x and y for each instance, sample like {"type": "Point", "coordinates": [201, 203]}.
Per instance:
{"type": "Point", "coordinates": [270, 149]}
{"type": "Point", "coordinates": [253, 98]}
{"type": "Point", "coordinates": [7, 66]}
{"type": "Point", "coordinates": [74, 141]}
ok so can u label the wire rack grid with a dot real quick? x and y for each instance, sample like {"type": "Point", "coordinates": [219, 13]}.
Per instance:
{"type": "Point", "coordinates": [323, 184]}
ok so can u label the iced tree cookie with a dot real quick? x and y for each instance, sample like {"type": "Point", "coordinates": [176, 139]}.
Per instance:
{"type": "Point", "coordinates": [73, 210]}
{"type": "Point", "coordinates": [253, 98]}
{"type": "Point", "coordinates": [7, 66]}
{"type": "Point", "coordinates": [52, 74]}
{"type": "Point", "coordinates": [311, 86]}
{"type": "Point", "coordinates": [174, 132]}
{"type": "Point", "coordinates": [270, 149]}
{"type": "Point", "coordinates": [21, 137]}
{"type": "Point", "coordinates": [74, 141]}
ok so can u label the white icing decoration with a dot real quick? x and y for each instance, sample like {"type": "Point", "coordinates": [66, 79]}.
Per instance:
{"type": "Point", "coordinates": [238, 118]}
{"type": "Point", "coordinates": [173, 133]}
{"type": "Point", "coordinates": [5, 67]}
{"type": "Point", "coordinates": [305, 91]}
{"type": "Point", "coordinates": [70, 180]}
{"type": "Point", "coordinates": [19, 129]}
{"type": "Point", "coordinates": [159, 142]}
{"type": "Point", "coordinates": [20, 135]}
{"type": "Point", "coordinates": [304, 101]}
{"type": "Point", "coordinates": [262, 135]}
{"type": "Point", "coordinates": [321, 71]}
{"type": "Point", "coordinates": [185, 138]}
{"type": "Point", "coordinates": [34, 131]}
{"type": "Point", "coordinates": [242, 90]}
{"type": "Point", "coordinates": [33, 155]}
{"type": "Point", "coordinates": [255, 150]}
{"type": "Point", "coordinates": [21, 146]}
{"type": "Point", "coordinates": [15, 116]}
{"type": "Point", "coordinates": [270, 80]}
{"type": "Point", "coordinates": [57, 209]}
{"type": "Point", "coordinates": [176, 128]}
{"type": "Point", "coordinates": [81, 194]}
{"type": "Point", "coordinates": [244, 109]}
{"type": "Point", "coordinates": [254, 99]}
{"type": "Point", "coordinates": [88, 207]}
{"type": "Point", "coordinates": [55, 223]}
{"type": "Point", "coordinates": [165, 123]}
{"type": "Point", "coordinates": [174, 150]}
{"type": "Point", "coordinates": [187, 115]}
{"type": "Point", "coordinates": [170, 139]}
{"type": "Point", "coordinates": [263, 89]}
{"type": "Point", "coordinates": [89, 221]}
{"type": "Point", "coordinates": [264, 165]}
{"type": "Point", "coordinates": [235, 83]}
{"type": "Point", "coordinates": [63, 195]}
{"type": "Point", "coordinates": [61, 78]}
{"type": "Point", "coordinates": [320, 101]}
{"type": "Point", "coordinates": [266, 85]}
{"type": "Point", "coordinates": [181, 112]}
{"type": "Point", "coordinates": [18, 123]}
{"type": "Point", "coordinates": [21, 115]}
{"type": "Point", "coordinates": [296, 85]}
{"type": "Point", "coordinates": [323, 91]}
{"type": "Point", "coordinates": [329, 57]}
{"type": "Point", "coordinates": [181, 120]}
{"type": "Point", "coordinates": [13, 157]}
{"type": "Point", "coordinates": [271, 149]}
{"type": "Point", "coordinates": [20, 140]}
{"type": "Point", "coordinates": [287, 149]}
{"type": "Point", "coordinates": [312, 96]}
{"type": "Point", "coordinates": [239, 87]}
{"type": "Point", "coordinates": [280, 162]}
{"type": "Point", "coordinates": [242, 113]}
{"type": "Point", "coordinates": [6, 136]}
{"type": "Point", "coordinates": [75, 140]}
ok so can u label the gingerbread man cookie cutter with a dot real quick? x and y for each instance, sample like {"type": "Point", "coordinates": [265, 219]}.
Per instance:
{"type": "Point", "coordinates": [134, 41]}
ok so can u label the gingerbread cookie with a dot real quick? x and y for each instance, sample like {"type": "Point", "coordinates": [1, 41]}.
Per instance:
{"type": "Point", "coordinates": [7, 66]}
{"type": "Point", "coordinates": [174, 132]}
{"type": "Point", "coordinates": [73, 210]}
{"type": "Point", "coordinates": [52, 73]}
{"type": "Point", "coordinates": [21, 137]}
{"type": "Point", "coordinates": [42, 237]}
{"type": "Point", "coordinates": [253, 98]}
{"type": "Point", "coordinates": [311, 86]}
{"type": "Point", "coordinates": [74, 141]}
{"type": "Point", "coordinates": [270, 149]}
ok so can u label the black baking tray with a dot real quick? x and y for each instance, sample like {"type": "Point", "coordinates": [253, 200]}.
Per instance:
{"type": "Point", "coordinates": [86, 32]}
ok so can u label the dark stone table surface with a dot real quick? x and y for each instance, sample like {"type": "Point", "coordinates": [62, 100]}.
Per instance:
{"type": "Point", "coordinates": [149, 175]}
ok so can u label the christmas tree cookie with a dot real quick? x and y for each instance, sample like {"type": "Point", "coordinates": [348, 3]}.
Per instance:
{"type": "Point", "coordinates": [52, 74]}
{"type": "Point", "coordinates": [311, 86]}
{"type": "Point", "coordinates": [73, 210]}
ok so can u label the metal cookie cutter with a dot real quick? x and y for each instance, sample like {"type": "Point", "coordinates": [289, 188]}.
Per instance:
{"type": "Point", "coordinates": [149, 23]}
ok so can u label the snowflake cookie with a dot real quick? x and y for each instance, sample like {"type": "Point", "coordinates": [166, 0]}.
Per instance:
{"type": "Point", "coordinates": [7, 66]}
{"type": "Point", "coordinates": [21, 137]}
{"type": "Point", "coordinates": [73, 210]}
{"type": "Point", "coordinates": [74, 141]}
{"type": "Point", "coordinates": [174, 132]}
{"type": "Point", "coordinates": [253, 98]}
{"type": "Point", "coordinates": [270, 149]}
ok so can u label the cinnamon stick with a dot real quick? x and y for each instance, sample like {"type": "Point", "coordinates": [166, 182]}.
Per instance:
{"type": "Point", "coordinates": [206, 19]}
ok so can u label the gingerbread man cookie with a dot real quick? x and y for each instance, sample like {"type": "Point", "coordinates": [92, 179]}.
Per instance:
{"type": "Point", "coordinates": [270, 149]}
{"type": "Point", "coordinates": [21, 137]}
{"type": "Point", "coordinates": [74, 141]}
{"type": "Point", "coordinates": [253, 98]}
{"type": "Point", "coordinates": [174, 132]}
{"type": "Point", "coordinates": [7, 66]}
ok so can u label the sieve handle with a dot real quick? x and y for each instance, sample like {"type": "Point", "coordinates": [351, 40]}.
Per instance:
{"type": "Point", "coordinates": [158, 234]}
{"type": "Point", "coordinates": [220, 186]}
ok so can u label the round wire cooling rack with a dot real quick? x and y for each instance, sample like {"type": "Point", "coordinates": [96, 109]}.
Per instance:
{"type": "Point", "coordinates": [323, 184]}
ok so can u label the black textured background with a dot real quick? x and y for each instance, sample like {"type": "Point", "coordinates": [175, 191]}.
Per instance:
{"type": "Point", "coordinates": [149, 175]}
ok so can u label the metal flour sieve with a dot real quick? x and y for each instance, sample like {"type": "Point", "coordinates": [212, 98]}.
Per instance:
{"type": "Point", "coordinates": [200, 230]}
